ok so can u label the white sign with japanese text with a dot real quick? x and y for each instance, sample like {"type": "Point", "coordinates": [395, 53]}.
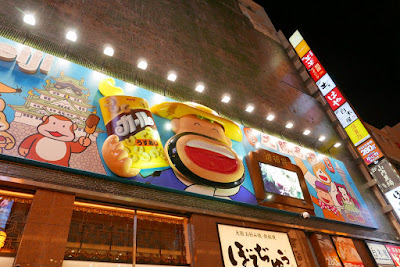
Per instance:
{"type": "Point", "coordinates": [380, 253]}
{"type": "Point", "coordinates": [393, 196]}
{"type": "Point", "coordinates": [325, 84]}
{"type": "Point", "coordinates": [242, 246]}
{"type": "Point", "coordinates": [345, 114]}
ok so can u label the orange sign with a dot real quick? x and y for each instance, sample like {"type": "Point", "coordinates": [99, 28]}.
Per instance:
{"type": "Point", "coordinates": [302, 48]}
{"type": "Point", "coordinates": [369, 151]}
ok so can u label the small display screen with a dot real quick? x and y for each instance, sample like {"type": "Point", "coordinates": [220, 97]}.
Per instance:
{"type": "Point", "coordinates": [280, 181]}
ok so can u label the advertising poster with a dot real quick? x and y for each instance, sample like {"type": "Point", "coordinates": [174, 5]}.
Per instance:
{"type": "Point", "coordinates": [345, 114]}
{"type": "Point", "coordinates": [252, 247]}
{"type": "Point", "coordinates": [64, 116]}
{"type": "Point", "coordinates": [347, 252]}
{"type": "Point", "coordinates": [327, 249]}
{"type": "Point", "coordinates": [385, 175]}
{"type": "Point", "coordinates": [325, 84]}
{"type": "Point", "coordinates": [394, 252]}
{"type": "Point", "coordinates": [369, 151]}
{"type": "Point", "coordinates": [302, 48]}
{"type": "Point", "coordinates": [335, 99]}
{"type": "Point", "coordinates": [309, 60]}
{"type": "Point", "coordinates": [317, 71]}
{"type": "Point", "coordinates": [380, 254]}
{"type": "Point", "coordinates": [393, 196]}
{"type": "Point", "coordinates": [332, 191]}
{"type": "Point", "coordinates": [357, 132]}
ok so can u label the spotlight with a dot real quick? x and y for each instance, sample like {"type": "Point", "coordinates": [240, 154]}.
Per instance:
{"type": "Point", "coordinates": [29, 19]}
{"type": "Point", "coordinates": [109, 51]}
{"type": "Point", "coordinates": [71, 35]}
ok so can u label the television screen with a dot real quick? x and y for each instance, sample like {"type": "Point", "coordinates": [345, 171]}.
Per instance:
{"type": "Point", "coordinates": [280, 181]}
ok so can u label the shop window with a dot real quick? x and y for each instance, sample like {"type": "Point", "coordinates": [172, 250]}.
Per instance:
{"type": "Point", "coordinates": [106, 234]}
{"type": "Point", "coordinates": [14, 209]}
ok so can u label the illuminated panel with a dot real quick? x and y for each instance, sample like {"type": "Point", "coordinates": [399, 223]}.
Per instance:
{"type": "Point", "coordinates": [325, 84]}
{"type": "Point", "coordinates": [345, 114]}
{"type": "Point", "coordinates": [335, 99]}
{"type": "Point", "coordinates": [317, 71]}
{"type": "Point", "coordinates": [295, 39]}
{"type": "Point", "coordinates": [369, 151]}
{"type": "Point", "coordinates": [309, 60]}
{"type": "Point", "coordinates": [393, 196]}
{"type": "Point", "coordinates": [357, 132]}
{"type": "Point", "coordinates": [302, 49]}
{"type": "Point", "coordinates": [385, 174]}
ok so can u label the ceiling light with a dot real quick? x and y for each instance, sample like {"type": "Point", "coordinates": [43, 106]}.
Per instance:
{"type": "Point", "coordinates": [109, 51]}
{"type": "Point", "coordinates": [321, 138]}
{"type": "Point", "coordinates": [250, 108]}
{"type": "Point", "coordinates": [337, 145]}
{"type": "Point", "coordinates": [226, 99]}
{"type": "Point", "coordinates": [142, 64]}
{"type": "Point", "coordinates": [172, 77]}
{"type": "Point", "coordinates": [306, 132]}
{"type": "Point", "coordinates": [71, 35]}
{"type": "Point", "coordinates": [200, 88]}
{"type": "Point", "coordinates": [289, 125]}
{"type": "Point", "coordinates": [270, 117]}
{"type": "Point", "coordinates": [29, 19]}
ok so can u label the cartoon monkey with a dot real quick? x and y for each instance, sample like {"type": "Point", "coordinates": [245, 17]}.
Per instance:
{"type": "Point", "coordinates": [54, 141]}
{"type": "Point", "coordinates": [7, 141]}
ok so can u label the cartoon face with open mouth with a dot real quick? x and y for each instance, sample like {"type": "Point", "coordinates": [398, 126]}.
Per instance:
{"type": "Point", "coordinates": [201, 153]}
{"type": "Point", "coordinates": [321, 174]}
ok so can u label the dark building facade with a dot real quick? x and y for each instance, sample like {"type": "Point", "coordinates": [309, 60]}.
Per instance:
{"type": "Point", "coordinates": [84, 216]}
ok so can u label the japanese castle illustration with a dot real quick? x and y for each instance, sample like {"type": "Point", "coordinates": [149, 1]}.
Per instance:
{"type": "Point", "coordinates": [66, 96]}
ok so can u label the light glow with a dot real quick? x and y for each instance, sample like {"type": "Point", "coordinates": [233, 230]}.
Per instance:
{"type": "Point", "coordinates": [289, 125]}
{"type": "Point", "coordinates": [250, 108]}
{"type": "Point", "coordinates": [270, 117]}
{"type": "Point", "coordinates": [200, 88]}
{"type": "Point", "coordinates": [321, 138]}
{"type": "Point", "coordinates": [172, 77]}
{"type": "Point", "coordinates": [71, 35]}
{"type": "Point", "coordinates": [109, 51]}
{"type": "Point", "coordinates": [306, 132]}
{"type": "Point", "coordinates": [29, 19]}
{"type": "Point", "coordinates": [226, 99]}
{"type": "Point", "coordinates": [337, 145]}
{"type": "Point", "coordinates": [142, 64]}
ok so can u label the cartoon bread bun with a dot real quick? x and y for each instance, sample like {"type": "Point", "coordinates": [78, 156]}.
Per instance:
{"type": "Point", "coordinates": [116, 158]}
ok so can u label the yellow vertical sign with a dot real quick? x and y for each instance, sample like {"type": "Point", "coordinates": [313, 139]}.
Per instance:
{"type": "Point", "coordinates": [357, 132]}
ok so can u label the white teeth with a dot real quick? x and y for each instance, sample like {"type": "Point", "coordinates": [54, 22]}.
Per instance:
{"type": "Point", "coordinates": [211, 147]}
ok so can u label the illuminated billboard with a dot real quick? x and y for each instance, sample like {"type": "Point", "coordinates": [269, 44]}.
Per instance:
{"type": "Point", "coordinates": [357, 132]}
{"type": "Point", "coordinates": [369, 151]}
{"type": "Point", "coordinates": [63, 116]}
{"type": "Point", "coordinates": [335, 99]}
{"type": "Point", "coordinates": [345, 114]}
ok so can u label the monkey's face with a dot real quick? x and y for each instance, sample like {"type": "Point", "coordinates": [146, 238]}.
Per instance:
{"type": "Point", "coordinates": [61, 130]}
{"type": "Point", "coordinates": [201, 153]}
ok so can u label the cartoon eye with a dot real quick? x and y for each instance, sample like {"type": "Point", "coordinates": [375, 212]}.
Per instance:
{"type": "Point", "coordinates": [63, 126]}
{"type": "Point", "coordinates": [197, 123]}
{"type": "Point", "coordinates": [54, 123]}
{"type": "Point", "coordinates": [215, 130]}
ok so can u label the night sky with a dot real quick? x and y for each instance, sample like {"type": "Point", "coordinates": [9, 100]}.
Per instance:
{"type": "Point", "coordinates": [358, 45]}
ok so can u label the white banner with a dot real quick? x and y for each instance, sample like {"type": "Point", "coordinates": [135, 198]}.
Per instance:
{"type": "Point", "coordinates": [252, 247]}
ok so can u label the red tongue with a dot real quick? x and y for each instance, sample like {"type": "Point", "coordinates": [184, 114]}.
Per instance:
{"type": "Point", "coordinates": [323, 177]}
{"type": "Point", "coordinates": [56, 134]}
{"type": "Point", "coordinates": [211, 161]}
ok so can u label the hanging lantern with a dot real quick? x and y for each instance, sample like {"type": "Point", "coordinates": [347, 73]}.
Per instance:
{"type": "Point", "coordinates": [3, 237]}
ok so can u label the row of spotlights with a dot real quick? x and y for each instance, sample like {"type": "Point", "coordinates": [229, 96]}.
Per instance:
{"type": "Point", "coordinates": [142, 64]}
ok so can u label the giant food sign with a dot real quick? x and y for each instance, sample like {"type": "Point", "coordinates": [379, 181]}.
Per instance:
{"type": "Point", "coordinates": [63, 116]}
